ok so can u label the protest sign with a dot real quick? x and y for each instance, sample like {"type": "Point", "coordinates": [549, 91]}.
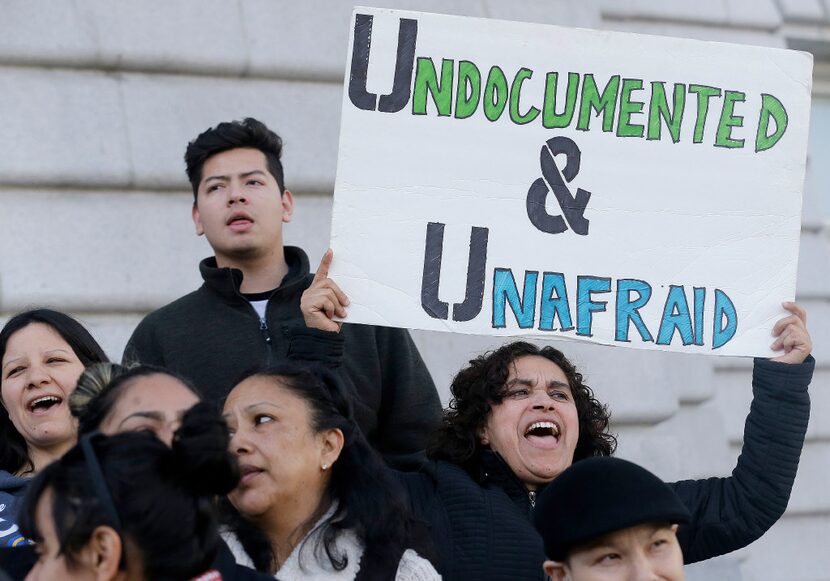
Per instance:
{"type": "Point", "coordinates": [505, 178]}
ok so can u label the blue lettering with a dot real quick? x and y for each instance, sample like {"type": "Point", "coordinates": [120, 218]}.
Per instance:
{"type": "Point", "coordinates": [628, 311]}
{"type": "Point", "coordinates": [504, 288]}
{"type": "Point", "coordinates": [723, 308]}
{"type": "Point", "coordinates": [700, 302]}
{"type": "Point", "coordinates": [585, 305]}
{"type": "Point", "coordinates": [675, 318]}
{"type": "Point", "coordinates": [554, 306]}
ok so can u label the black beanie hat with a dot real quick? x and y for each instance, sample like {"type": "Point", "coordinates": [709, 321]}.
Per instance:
{"type": "Point", "coordinates": [598, 496]}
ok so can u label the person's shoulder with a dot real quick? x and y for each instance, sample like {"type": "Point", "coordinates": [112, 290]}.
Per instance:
{"type": "Point", "coordinates": [12, 484]}
{"type": "Point", "coordinates": [184, 305]}
{"type": "Point", "coordinates": [413, 567]}
{"type": "Point", "coordinates": [446, 474]}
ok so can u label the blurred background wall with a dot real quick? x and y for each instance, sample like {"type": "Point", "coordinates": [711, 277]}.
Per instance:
{"type": "Point", "coordinates": [98, 100]}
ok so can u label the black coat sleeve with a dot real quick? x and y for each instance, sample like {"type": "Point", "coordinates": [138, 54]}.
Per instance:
{"type": "Point", "coordinates": [314, 346]}
{"type": "Point", "coordinates": [410, 409]}
{"type": "Point", "coordinates": [391, 382]}
{"type": "Point", "coordinates": [730, 513]}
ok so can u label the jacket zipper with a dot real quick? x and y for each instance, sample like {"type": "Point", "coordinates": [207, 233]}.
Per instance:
{"type": "Point", "coordinates": [263, 322]}
{"type": "Point", "coordinates": [263, 326]}
{"type": "Point", "coordinates": [531, 494]}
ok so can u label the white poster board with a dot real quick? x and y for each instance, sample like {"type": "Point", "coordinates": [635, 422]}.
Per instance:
{"type": "Point", "coordinates": [504, 178]}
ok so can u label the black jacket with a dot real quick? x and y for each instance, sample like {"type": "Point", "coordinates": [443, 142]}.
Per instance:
{"type": "Point", "coordinates": [213, 336]}
{"type": "Point", "coordinates": [481, 525]}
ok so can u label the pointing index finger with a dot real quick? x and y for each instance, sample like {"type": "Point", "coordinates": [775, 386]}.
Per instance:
{"type": "Point", "coordinates": [323, 269]}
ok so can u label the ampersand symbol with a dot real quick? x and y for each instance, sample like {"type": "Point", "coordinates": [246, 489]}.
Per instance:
{"type": "Point", "coordinates": [573, 207]}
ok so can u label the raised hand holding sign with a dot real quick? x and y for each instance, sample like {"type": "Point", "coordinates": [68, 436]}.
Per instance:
{"type": "Point", "coordinates": [323, 300]}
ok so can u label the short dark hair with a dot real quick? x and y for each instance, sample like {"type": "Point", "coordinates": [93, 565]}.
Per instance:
{"type": "Point", "coordinates": [370, 501]}
{"type": "Point", "coordinates": [14, 452]}
{"type": "Point", "coordinates": [102, 385]}
{"type": "Point", "coordinates": [248, 133]}
{"type": "Point", "coordinates": [162, 497]}
{"type": "Point", "coordinates": [481, 384]}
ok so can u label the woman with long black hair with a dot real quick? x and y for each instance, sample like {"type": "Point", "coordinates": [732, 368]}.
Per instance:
{"type": "Point", "coordinates": [316, 502]}
{"type": "Point", "coordinates": [42, 353]}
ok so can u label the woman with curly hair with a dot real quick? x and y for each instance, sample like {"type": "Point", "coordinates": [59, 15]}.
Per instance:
{"type": "Point", "coordinates": [521, 415]}
{"type": "Point", "coordinates": [562, 426]}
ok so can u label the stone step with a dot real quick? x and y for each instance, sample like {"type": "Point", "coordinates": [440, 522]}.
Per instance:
{"type": "Point", "coordinates": [130, 130]}
{"type": "Point", "coordinates": [116, 252]}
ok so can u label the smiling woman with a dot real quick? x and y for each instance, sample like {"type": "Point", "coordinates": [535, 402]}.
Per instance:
{"type": "Point", "coordinates": [42, 354]}
{"type": "Point", "coordinates": [497, 401]}
{"type": "Point", "coordinates": [521, 415]}
{"type": "Point", "coordinates": [535, 429]}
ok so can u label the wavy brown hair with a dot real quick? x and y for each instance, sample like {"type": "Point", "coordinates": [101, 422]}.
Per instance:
{"type": "Point", "coordinates": [481, 384]}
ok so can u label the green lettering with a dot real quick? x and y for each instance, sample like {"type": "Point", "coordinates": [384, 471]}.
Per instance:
{"type": "Point", "coordinates": [515, 95]}
{"type": "Point", "coordinates": [550, 118]}
{"type": "Point", "coordinates": [495, 94]}
{"type": "Point", "coordinates": [704, 93]}
{"type": "Point", "coordinates": [601, 103]}
{"type": "Point", "coordinates": [468, 90]}
{"type": "Point", "coordinates": [659, 109]}
{"type": "Point", "coordinates": [770, 107]}
{"type": "Point", "coordinates": [628, 108]}
{"type": "Point", "coordinates": [426, 80]}
{"type": "Point", "coordinates": [723, 137]}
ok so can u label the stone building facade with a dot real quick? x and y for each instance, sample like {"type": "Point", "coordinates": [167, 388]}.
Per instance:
{"type": "Point", "coordinates": [99, 99]}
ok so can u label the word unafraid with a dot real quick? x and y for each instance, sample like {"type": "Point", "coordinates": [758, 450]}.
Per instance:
{"type": "Point", "coordinates": [544, 303]}
{"type": "Point", "coordinates": [553, 308]}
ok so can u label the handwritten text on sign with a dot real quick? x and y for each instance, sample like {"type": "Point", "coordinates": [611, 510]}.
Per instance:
{"type": "Point", "coordinates": [507, 178]}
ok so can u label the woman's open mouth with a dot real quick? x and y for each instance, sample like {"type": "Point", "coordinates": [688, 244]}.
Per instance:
{"type": "Point", "coordinates": [44, 404]}
{"type": "Point", "coordinates": [543, 433]}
